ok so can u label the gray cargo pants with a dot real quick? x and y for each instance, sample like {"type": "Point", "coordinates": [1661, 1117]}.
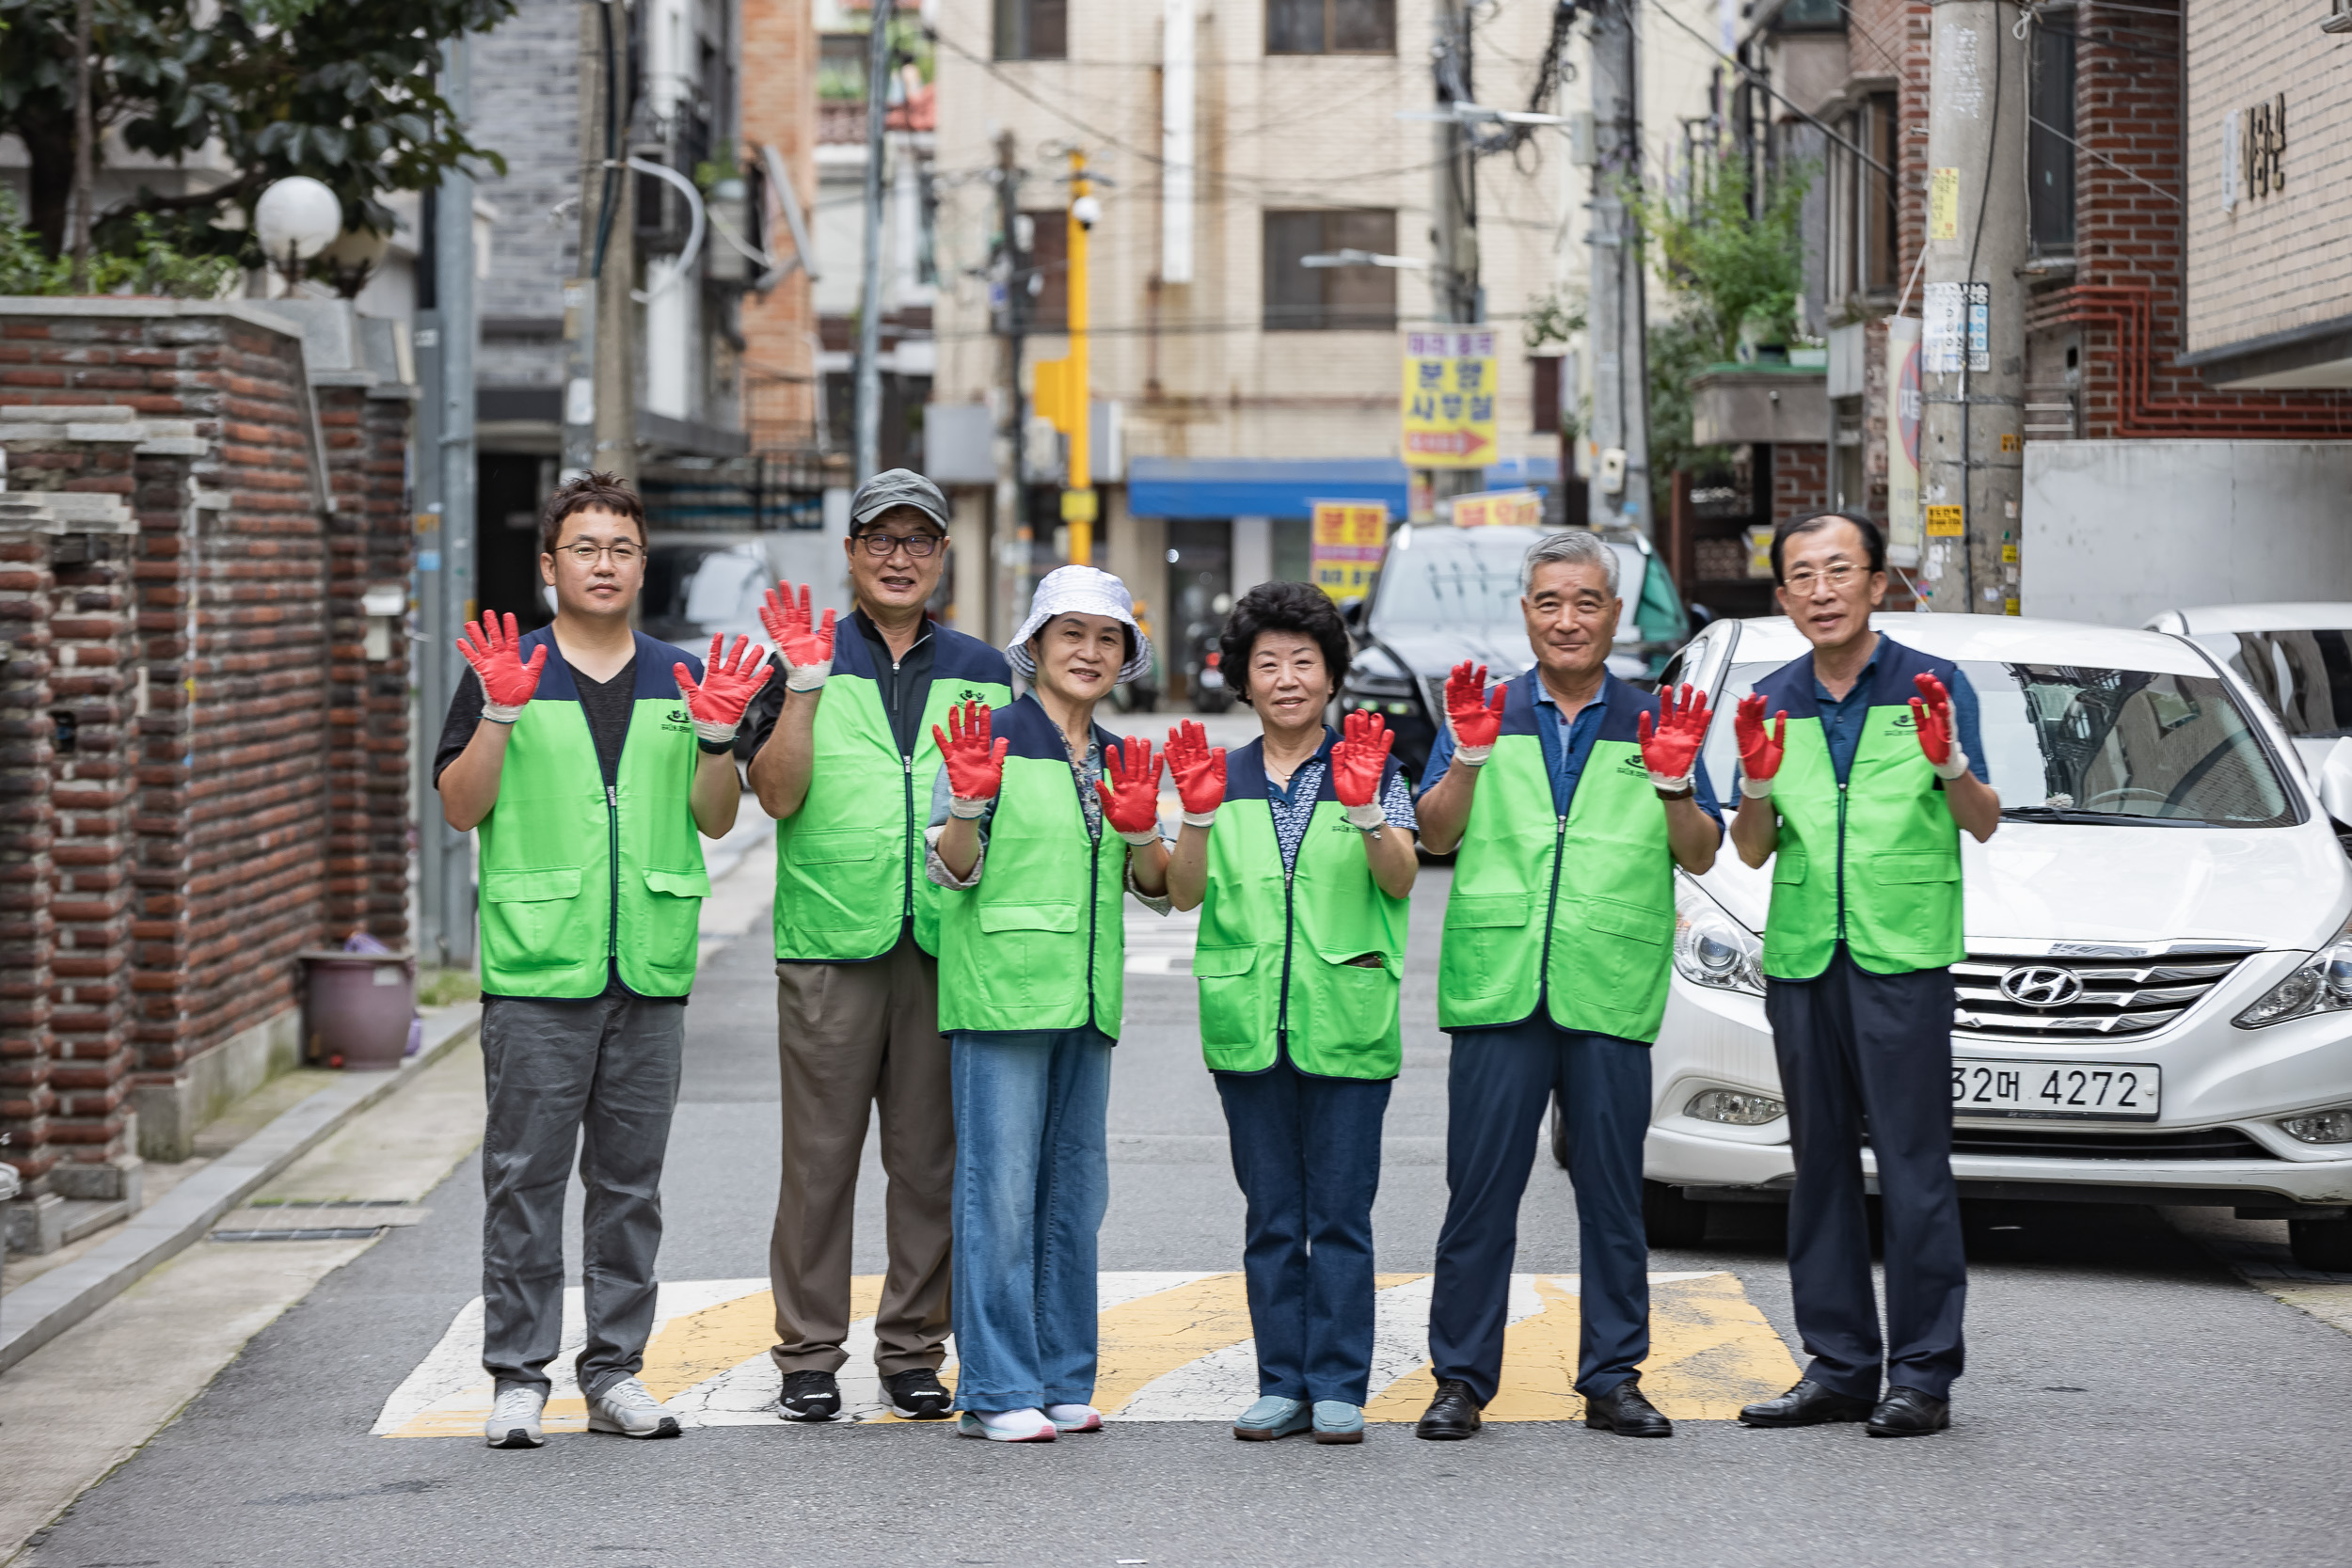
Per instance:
{"type": "Point", "coordinates": [599, 1076]}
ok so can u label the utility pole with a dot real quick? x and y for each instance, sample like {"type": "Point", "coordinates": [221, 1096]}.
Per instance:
{"type": "Point", "coordinates": [1063, 392]}
{"type": "Point", "coordinates": [600, 382]}
{"type": "Point", "coordinates": [1972, 357]}
{"type": "Point", "coordinates": [1010, 534]}
{"type": "Point", "coordinates": [1455, 288]}
{"type": "Point", "coordinates": [869, 310]}
{"type": "Point", "coordinates": [1618, 495]}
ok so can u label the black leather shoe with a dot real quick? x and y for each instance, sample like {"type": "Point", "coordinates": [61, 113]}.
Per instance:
{"type": "Point", "coordinates": [1451, 1416]}
{"type": "Point", "coordinates": [809, 1397]}
{"type": "Point", "coordinates": [1909, 1412]}
{"type": "Point", "coordinates": [917, 1395]}
{"type": "Point", "coordinates": [1808, 1405]}
{"type": "Point", "coordinates": [1626, 1411]}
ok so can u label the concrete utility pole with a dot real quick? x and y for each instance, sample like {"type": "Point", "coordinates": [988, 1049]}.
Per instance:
{"type": "Point", "coordinates": [599, 383]}
{"type": "Point", "coordinates": [1009, 534]}
{"type": "Point", "coordinates": [869, 308]}
{"type": "Point", "coordinates": [1455, 290]}
{"type": "Point", "coordinates": [1063, 393]}
{"type": "Point", "coordinates": [1973, 333]}
{"type": "Point", "coordinates": [1618, 495]}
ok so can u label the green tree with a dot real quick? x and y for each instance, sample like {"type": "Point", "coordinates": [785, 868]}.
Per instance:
{"type": "Point", "coordinates": [1736, 270]}
{"type": "Point", "coordinates": [341, 90]}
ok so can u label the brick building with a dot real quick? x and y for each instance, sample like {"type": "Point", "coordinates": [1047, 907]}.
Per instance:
{"type": "Point", "coordinates": [203, 731]}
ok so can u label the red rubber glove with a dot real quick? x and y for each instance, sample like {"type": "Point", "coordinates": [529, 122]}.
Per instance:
{"type": "Point", "coordinates": [1759, 753]}
{"type": "Point", "coordinates": [1130, 790]}
{"type": "Point", "coordinates": [1357, 763]}
{"type": "Point", "coordinates": [1939, 731]}
{"type": "Point", "coordinates": [1670, 748]}
{"type": "Point", "coordinates": [976, 765]}
{"type": "Point", "coordinates": [730, 681]}
{"type": "Point", "coordinates": [1476, 718]}
{"type": "Point", "coordinates": [1199, 772]}
{"type": "Point", "coordinates": [507, 682]}
{"type": "Point", "coordinates": [806, 651]}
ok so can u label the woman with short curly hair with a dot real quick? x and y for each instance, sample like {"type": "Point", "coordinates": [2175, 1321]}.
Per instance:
{"type": "Point", "coordinates": [1299, 855]}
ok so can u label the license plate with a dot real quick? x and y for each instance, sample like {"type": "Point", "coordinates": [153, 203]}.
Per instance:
{"type": "Point", "coordinates": [2069, 1091]}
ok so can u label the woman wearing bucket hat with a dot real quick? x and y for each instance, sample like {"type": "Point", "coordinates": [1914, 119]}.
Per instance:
{"type": "Point", "coordinates": [1299, 855]}
{"type": "Point", "coordinates": [1028, 817]}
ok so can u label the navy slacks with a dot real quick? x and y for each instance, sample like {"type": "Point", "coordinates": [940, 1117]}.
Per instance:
{"type": "Point", "coordinates": [1856, 1047]}
{"type": "Point", "coordinates": [1499, 1084]}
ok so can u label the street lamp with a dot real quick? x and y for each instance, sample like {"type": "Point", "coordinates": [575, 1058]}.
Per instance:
{"type": "Point", "coordinates": [296, 219]}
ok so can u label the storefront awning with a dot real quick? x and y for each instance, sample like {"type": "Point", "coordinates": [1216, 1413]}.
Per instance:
{"type": "Point", "coordinates": [1284, 486]}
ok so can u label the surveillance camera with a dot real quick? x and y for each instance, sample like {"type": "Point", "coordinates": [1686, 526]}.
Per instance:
{"type": "Point", "coordinates": [1088, 210]}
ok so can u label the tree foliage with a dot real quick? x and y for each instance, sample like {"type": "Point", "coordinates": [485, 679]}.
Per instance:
{"type": "Point", "coordinates": [341, 90]}
{"type": "Point", "coordinates": [146, 260]}
{"type": "Point", "coordinates": [1738, 270]}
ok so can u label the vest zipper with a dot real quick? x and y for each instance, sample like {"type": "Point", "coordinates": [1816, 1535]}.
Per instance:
{"type": "Point", "coordinates": [1551, 909]}
{"type": "Point", "coordinates": [906, 904]}
{"type": "Point", "coordinates": [1282, 1006]}
{"type": "Point", "coordinates": [1841, 862]}
{"type": "Point", "coordinates": [613, 828]}
{"type": "Point", "coordinates": [1094, 916]}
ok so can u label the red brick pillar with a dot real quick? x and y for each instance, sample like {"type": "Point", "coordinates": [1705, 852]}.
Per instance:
{"type": "Point", "coordinates": [26, 1098]}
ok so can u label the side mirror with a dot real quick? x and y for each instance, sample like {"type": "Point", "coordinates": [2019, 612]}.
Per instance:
{"type": "Point", "coordinates": [1352, 612]}
{"type": "Point", "coordinates": [1700, 617]}
{"type": "Point", "coordinates": [2335, 780]}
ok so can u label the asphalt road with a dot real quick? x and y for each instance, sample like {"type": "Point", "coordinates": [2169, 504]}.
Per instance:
{"type": "Point", "coordinates": [2129, 1400]}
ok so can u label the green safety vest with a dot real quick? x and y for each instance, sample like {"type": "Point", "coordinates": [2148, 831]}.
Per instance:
{"type": "Point", "coordinates": [1873, 863]}
{"type": "Point", "coordinates": [575, 876]}
{"type": "Point", "coordinates": [1276, 949]}
{"type": "Point", "coordinates": [1039, 943]}
{"type": "Point", "coordinates": [1576, 910]}
{"type": "Point", "coordinates": [849, 862]}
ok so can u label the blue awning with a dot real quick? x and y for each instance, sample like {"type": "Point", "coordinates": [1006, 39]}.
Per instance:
{"type": "Point", "coordinates": [1285, 486]}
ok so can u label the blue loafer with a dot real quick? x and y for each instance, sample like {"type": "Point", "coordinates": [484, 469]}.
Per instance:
{"type": "Point", "coordinates": [1337, 1421]}
{"type": "Point", "coordinates": [1273, 1416]}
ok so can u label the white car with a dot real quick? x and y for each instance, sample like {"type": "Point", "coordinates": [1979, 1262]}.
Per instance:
{"type": "Point", "coordinates": [2157, 1005]}
{"type": "Point", "coordinates": [2297, 657]}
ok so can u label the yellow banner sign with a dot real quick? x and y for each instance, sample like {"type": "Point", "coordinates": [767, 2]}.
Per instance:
{"type": "Point", "coordinates": [1449, 399]}
{"type": "Point", "coordinates": [1350, 539]}
{"type": "Point", "coordinates": [1499, 509]}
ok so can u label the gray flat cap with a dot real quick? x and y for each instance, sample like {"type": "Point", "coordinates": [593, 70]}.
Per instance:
{"type": "Point", "coordinates": [896, 488]}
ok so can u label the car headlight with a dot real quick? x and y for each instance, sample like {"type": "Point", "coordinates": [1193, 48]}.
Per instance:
{"type": "Point", "coordinates": [1712, 949]}
{"type": "Point", "coordinates": [2319, 1127]}
{"type": "Point", "coordinates": [2320, 984]}
{"type": "Point", "coordinates": [1735, 1107]}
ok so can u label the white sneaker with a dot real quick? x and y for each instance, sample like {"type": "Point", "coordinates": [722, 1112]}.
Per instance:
{"type": "Point", "coordinates": [1075, 1417]}
{"type": "Point", "coordinates": [627, 1409]}
{"type": "Point", "coordinates": [515, 1420]}
{"type": "Point", "coordinates": [1006, 1426]}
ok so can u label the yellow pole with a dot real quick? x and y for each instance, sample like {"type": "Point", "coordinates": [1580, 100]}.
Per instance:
{"type": "Point", "coordinates": [1078, 501]}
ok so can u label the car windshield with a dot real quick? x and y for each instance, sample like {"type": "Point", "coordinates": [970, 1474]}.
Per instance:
{"type": "Point", "coordinates": [2069, 743]}
{"type": "Point", "coordinates": [2306, 676]}
{"type": "Point", "coordinates": [1454, 584]}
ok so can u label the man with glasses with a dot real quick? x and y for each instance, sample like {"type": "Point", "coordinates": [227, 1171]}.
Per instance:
{"type": "Point", "coordinates": [844, 760]}
{"type": "Point", "coordinates": [588, 777]}
{"type": "Point", "coordinates": [1856, 791]}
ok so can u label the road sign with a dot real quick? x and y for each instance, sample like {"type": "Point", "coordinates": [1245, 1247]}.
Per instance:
{"type": "Point", "coordinates": [1349, 539]}
{"type": "Point", "coordinates": [1449, 399]}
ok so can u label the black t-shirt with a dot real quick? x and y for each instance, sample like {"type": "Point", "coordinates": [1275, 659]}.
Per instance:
{"type": "Point", "coordinates": [605, 705]}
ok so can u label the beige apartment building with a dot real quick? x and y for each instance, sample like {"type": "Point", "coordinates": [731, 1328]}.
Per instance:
{"type": "Point", "coordinates": [1232, 384]}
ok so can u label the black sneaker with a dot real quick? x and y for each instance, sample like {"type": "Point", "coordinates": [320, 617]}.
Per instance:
{"type": "Point", "coordinates": [917, 1395]}
{"type": "Point", "coordinates": [809, 1397]}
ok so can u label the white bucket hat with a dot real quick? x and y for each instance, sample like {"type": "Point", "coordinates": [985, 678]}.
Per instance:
{"type": "Point", "coordinates": [1079, 591]}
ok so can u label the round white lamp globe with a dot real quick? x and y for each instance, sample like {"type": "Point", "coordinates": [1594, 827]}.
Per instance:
{"type": "Point", "coordinates": [297, 218]}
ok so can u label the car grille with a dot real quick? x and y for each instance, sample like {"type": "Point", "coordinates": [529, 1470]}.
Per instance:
{"type": "Point", "coordinates": [2113, 996]}
{"type": "Point", "coordinates": [2207, 1143]}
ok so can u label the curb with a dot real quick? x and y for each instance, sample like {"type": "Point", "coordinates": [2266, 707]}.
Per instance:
{"type": "Point", "coordinates": [45, 1307]}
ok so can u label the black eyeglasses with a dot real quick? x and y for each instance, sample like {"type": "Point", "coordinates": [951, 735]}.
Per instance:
{"type": "Point", "coordinates": [880, 544]}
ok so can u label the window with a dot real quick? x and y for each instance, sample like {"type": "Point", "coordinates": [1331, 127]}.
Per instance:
{"type": "Point", "coordinates": [1048, 263]}
{"type": "Point", "coordinates": [1330, 26]}
{"type": "Point", "coordinates": [1865, 217]}
{"type": "Point", "coordinates": [1324, 299]}
{"type": "Point", "coordinates": [1032, 29]}
{"type": "Point", "coordinates": [1545, 371]}
{"type": "Point", "coordinates": [2049, 139]}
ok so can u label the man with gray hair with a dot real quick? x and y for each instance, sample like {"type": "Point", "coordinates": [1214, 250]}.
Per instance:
{"type": "Point", "coordinates": [1572, 797]}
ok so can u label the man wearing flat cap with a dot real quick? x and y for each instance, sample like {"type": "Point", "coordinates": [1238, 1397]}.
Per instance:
{"type": "Point", "coordinates": [844, 760]}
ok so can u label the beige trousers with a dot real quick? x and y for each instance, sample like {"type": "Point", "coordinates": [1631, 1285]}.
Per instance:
{"type": "Point", "coordinates": [850, 1038]}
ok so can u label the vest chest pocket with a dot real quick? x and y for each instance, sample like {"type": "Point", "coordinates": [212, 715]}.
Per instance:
{"type": "Point", "coordinates": [527, 912]}
{"type": "Point", "coordinates": [680, 884]}
{"type": "Point", "coordinates": [1788, 864]}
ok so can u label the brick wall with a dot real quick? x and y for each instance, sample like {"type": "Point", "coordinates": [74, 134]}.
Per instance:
{"type": "Point", "coordinates": [1800, 479]}
{"type": "Point", "coordinates": [779, 79]}
{"type": "Point", "coordinates": [202, 773]}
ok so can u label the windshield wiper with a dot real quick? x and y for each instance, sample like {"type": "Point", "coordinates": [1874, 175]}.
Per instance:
{"type": "Point", "coordinates": [2074, 815]}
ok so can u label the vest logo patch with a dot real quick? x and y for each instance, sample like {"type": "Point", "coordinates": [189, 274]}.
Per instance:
{"type": "Point", "coordinates": [678, 720]}
{"type": "Point", "coordinates": [970, 694]}
{"type": "Point", "coordinates": [1630, 762]}
{"type": "Point", "coordinates": [1905, 719]}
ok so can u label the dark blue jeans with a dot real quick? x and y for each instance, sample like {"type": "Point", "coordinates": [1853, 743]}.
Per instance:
{"type": "Point", "coordinates": [1855, 1048]}
{"type": "Point", "coordinates": [1307, 1153]}
{"type": "Point", "coordinates": [1032, 1182]}
{"type": "Point", "coordinates": [1498, 1085]}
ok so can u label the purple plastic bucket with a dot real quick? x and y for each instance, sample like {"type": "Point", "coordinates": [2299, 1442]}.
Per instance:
{"type": "Point", "coordinates": [357, 1007]}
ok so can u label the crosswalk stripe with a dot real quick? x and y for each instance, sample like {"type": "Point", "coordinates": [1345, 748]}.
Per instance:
{"type": "Point", "coordinates": [1174, 1347]}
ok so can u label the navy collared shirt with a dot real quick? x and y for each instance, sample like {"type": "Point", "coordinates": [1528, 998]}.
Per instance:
{"type": "Point", "coordinates": [1841, 717]}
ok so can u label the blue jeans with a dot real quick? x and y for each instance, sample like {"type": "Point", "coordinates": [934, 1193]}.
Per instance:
{"type": "Point", "coordinates": [1498, 1085]}
{"type": "Point", "coordinates": [1032, 1181]}
{"type": "Point", "coordinates": [1307, 1153]}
